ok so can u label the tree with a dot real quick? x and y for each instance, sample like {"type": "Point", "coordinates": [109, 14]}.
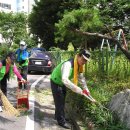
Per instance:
{"type": "Point", "coordinates": [81, 19]}
{"type": "Point", "coordinates": [115, 13]}
{"type": "Point", "coordinates": [13, 27]}
{"type": "Point", "coordinates": [77, 22]}
{"type": "Point", "coordinates": [44, 16]}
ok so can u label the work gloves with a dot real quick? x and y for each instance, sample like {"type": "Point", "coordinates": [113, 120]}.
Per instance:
{"type": "Point", "coordinates": [86, 93]}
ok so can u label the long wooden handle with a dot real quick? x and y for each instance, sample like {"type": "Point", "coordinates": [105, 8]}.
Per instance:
{"type": "Point", "coordinates": [1, 93]}
{"type": "Point", "coordinates": [89, 97]}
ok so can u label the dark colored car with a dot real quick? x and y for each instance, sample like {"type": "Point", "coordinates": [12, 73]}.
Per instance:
{"type": "Point", "coordinates": [40, 60]}
{"type": "Point", "coordinates": [36, 48]}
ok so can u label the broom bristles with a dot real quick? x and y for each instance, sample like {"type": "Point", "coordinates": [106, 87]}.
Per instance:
{"type": "Point", "coordinates": [8, 106]}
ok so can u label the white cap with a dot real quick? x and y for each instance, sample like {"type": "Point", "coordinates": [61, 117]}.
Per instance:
{"type": "Point", "coordinates": [22, 43]}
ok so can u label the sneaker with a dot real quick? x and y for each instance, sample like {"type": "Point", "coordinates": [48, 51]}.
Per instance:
{"type": "Point", "coordinates": [66, 126]}
{"type": "Point", "coordinates": [1, 109]}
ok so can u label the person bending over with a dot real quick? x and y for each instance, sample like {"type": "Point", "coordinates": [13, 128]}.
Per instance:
{"type": "Point", "coordinates": [61, 79]}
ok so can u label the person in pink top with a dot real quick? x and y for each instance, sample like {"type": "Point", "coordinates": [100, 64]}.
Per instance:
{"type": "Point", "coordinates": [7, 68]}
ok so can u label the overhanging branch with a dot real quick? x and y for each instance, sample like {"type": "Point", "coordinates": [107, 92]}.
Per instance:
{"type": "Point", "coordinates": [93, 34]}
{"type": "Point", "coordinates": [125, 52]}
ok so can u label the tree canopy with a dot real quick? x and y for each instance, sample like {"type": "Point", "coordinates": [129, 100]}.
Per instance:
{"type": "Point", "coordinates": [81, 19]}
{"type": "Point", "coordinates": [44, 16]}
{"type": "Point", "coordinates": [54, 22]}
{"type": "Point", "coordinates": [13, 27]}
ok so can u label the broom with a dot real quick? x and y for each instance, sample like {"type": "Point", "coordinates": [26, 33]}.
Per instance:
{"type": "Point", "coordinates": [8, 106]}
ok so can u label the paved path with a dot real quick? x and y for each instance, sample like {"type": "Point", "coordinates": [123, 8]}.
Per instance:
{"type": "Point", "coordinates": [46, 106]}
{"type": "Point", "coordinates": [42, 117]}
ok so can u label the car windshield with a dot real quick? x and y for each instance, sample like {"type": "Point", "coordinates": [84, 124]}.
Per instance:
{"type": "Point", "coordinates": [36, 51]}
{"type": "Point", "coordinates": [39, 54]}
{"type": "Point", "coordinates": [39, 49]}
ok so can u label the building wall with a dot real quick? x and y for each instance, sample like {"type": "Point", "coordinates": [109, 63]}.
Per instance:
{"type": "Point", "coordinates": [16, 5]}
{"type": "Point", "coordinates": [7, 5]}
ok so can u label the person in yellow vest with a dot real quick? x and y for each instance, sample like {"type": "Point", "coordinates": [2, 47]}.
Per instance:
{"type": "Point", "coordinates": [61, 78]}
{"type": "Point", "coordinates": [7, 68]}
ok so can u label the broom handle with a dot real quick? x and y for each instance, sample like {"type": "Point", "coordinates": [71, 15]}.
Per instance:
{"type": "Point", "coordinates": [89, 97]}
{"type": "Point", "coordinates": [1, 93]}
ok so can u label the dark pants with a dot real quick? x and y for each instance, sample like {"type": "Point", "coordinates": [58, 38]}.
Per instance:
{"type": "Point", "coordinates": [59, 94]}
{"type": "Point", "coordinates": [3, 87]}
{"type": "Point", "coordinates": [23, 71]}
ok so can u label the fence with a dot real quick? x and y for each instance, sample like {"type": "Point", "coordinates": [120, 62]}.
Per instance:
{"type": "Point", "coordinates": [59, 56]}
{"type": "Point", "coordinates": [103, 63]}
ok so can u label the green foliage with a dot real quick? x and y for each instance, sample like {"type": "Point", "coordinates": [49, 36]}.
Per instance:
{"type": "Point", "coordinates": [98, 113]}
{"type": "Point", "coordinates": [102, 92]}
{"type": "Point", "coordinates": [70, 15]}
{"type": "Point", "coordinates": [44, 16]}
{"type": "Point", "coordinates": [13, 27]}
{"type": "Point", "coordinates": [114, 13]}
{"type": "Point", "coordinates": [4, 49]}
{"type": "Point", "coordinates": [70, 47]}
{"type": "Point", "coordinates": [14, 47]}
{"type": "Point", "coordinates": [42, 19]}
{"type": "Point", "coordinates": [82, 19]}
{"type": "Point", "coordinates": [102, 86]}
{"type": "Point", "coordinates": [61, 55]}
{"type": "Point", "coordinates": [108, 64]}
{"type": "Point", "coordinates": [55, 49]}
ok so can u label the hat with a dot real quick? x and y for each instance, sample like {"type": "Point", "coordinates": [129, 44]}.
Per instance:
{"type": "Point", "coordinates": [86, 54]}
{"type": "Point", "coordinates": [11, 55]}
{"type": "Point", "coordinates": [22, 43]}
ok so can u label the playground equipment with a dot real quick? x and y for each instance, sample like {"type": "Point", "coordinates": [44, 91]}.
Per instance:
{"type": "Point", "coordinates": [22, 97]}
{"type": "Point", "coordinates": [119, 34]}
{"type": "Point", "coordinates": [103, 42]}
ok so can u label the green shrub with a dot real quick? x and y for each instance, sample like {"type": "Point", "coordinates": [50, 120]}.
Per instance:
{"type": "Point", "coordinates": [4, 49]}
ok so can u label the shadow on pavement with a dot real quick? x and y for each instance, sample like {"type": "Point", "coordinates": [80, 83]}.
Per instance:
{"type": "Point", "coordinates": [4, 120]}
